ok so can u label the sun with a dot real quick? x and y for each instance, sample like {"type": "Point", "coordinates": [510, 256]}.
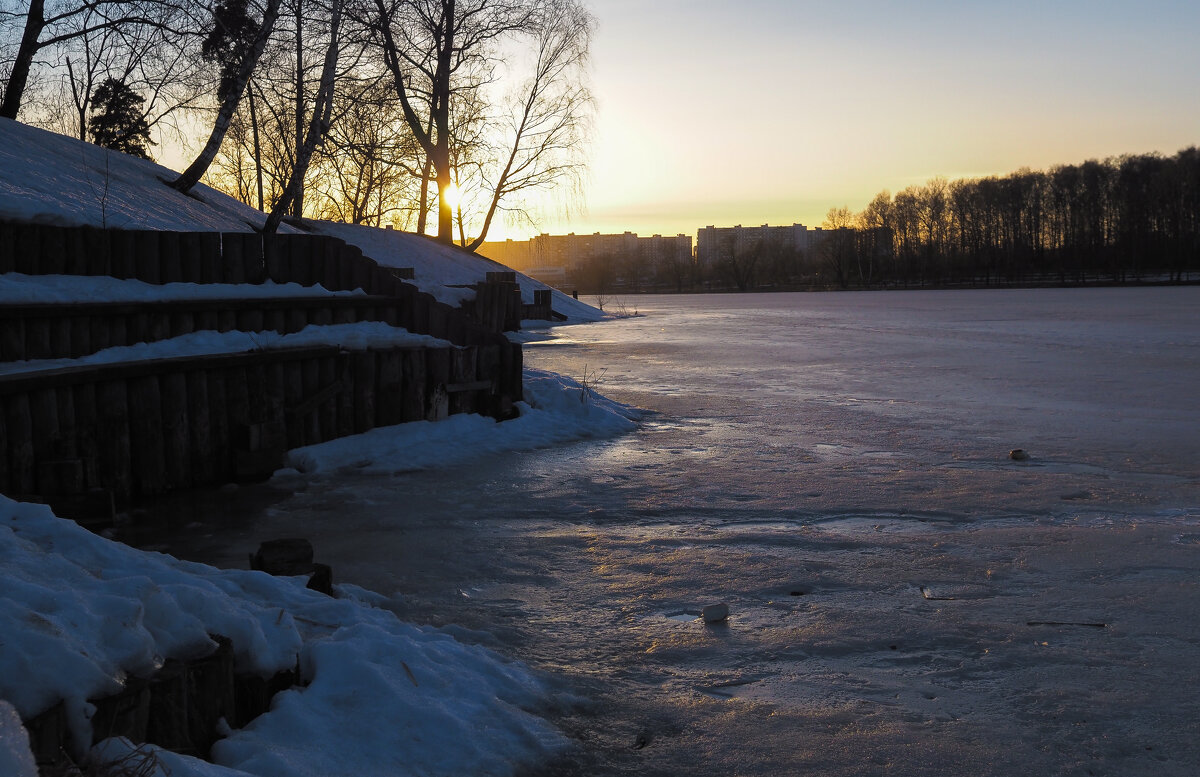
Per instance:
{"type": "Point", "coordinates": [451, 195]}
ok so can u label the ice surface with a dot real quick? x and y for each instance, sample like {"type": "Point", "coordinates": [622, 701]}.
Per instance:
{"type": "Point", "coordinates": [818, 461]}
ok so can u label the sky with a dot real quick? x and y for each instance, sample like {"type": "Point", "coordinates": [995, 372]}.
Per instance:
{"type": "Point", "coordinates": [774, 111]}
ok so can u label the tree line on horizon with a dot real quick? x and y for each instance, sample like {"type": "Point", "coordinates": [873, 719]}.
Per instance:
{"type": "Point", "coordinates": [438, 114]}
{"type": "Point", "coordinates": [1124, 219]}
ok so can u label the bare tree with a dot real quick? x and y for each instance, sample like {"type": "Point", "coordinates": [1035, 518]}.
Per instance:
{"type": "Point", "coordinates": [235, 76]}
{"type": "Point", "coordinates": [318, 124]}
{"type": "Point", "coordinates": [548, 120]}
{"type": "Point", "coordinates": [429, 47]}
{"type": "Point", "coordinates": [63, 21]}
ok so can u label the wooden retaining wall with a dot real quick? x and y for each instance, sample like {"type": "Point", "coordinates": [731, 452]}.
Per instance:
{"type": "Point", "coordinates": [137, 429]}
{"type": "Point", "coordinates": [57, 331]}
{"type": "Point", "coordinates": [160, 257]}
{"type": "Point", "coordinates": [177, 709]}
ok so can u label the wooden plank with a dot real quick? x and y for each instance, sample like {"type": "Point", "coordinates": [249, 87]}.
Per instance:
{"type": "Point", "coordinates": [75, 252]}
{"type": "Point", "coordinates": [275, 320]}
{"type": "Point", "coordinates": [183, 322]}
{"type": "Point", "coordinates": [8, 244]}
{"type": "Point", "coordinates": [310, 377]}
{"type": "Point", "coordinates": [66, 446]}
{"type": "Point", "coordinates": [293, 396]}
{"type": "Point", "coordinates": [332, 277]}
{"type": "Point", "coordinates": [170, 254]}
{"type": "Point", "coordinates": [219, 431]}
{"type": "Point", "coordinates": [462, 374]}
{"type": "Point", "coordinates": [275, 398]}
{"type": "Point", "coordinates": [363, 370]}
{"type": "Point", "coordinates": [177, 442]}
{"type": "Point", "coordinates": [12, 340]}
{"type": "Point", "coordinates": [60, 337]}
{"type": "Point", "coordinates": [437, 375]}
{"type": "Point", "coordinates": [250, 320]}
{"type": "Point", "coordinates": [123, 253]}
{"type": "Point", "coordinates": [114, 463]}
{"type": "Point", "coordinates": [43, 411]}
{"type": "Point", "coordinates": [87, 423]}
{"type": "Point", "coordinates": [146, 435]}
{"type": "Point", "coordinates": [345, 399]}
{"type": "Point", "coordinates": [26, 248]}
{"type": "Point", "coordinates": [275, 259]}
{"type": "Point", "coordinates": [317, 259]}
{"type": "Point", "coordinates": [81, 336]}
{"type": "Point", "coordinates": [191, 261]}
{"type": "Point", "coordinates": [37, 339]}
{"type": "Point", "coordinates": [254, 268]}
{"type": "Point", "coordinates": [389, 388]}
{"type": "Point", "coordinates": [149, 261]}
{"type": "Point", "coordinates": [4, 482]}
{"type": "Point", "coordinates": [19, 442]}
{"type": "Point", "coordinates": [327, 412]}
{"type": "Point", "coordinates": [256, 393]}
{"type": "Point", "coordinates": [210, 256]}
{"type": "Point", "coordinates": [233, 265]}
{"type": "Point", "coordinates": [202, 453]}
{"type": "Point", "coordinates": [97, 250]}
{"type": "Point", "coordinates": [237, 398]}
{"type": "Point", "coordinates": [299, 260]}
{"type": "Point", "coordinates": [53, 260]}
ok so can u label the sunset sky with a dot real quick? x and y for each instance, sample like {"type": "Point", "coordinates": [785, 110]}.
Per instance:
{"type": "Point", "coordinates": [773, 111]}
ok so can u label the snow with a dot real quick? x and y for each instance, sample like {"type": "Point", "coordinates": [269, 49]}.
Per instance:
{"type": "Point", "coordinates": [80, 613]}
{"type": "Point", "coordinates": [15, 758]}
{"type": "Point", "coordinates": [18, 288]}
{"type": "Point", "coordinates": [360, 335]}
{"type": "Point", "coordinates": [556, 410]}
{"type": "Point", "coordinates": [443, 270]}
{"type": "Point", "coordinates": [53, 179]}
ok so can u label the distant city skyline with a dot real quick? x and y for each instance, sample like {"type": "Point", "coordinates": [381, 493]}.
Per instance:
{"type": "Point", "coordinates": [772, 112]}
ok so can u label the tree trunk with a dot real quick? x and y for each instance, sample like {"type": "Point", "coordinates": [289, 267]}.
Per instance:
{"type": "Point", "coordinates": [322, 109]}
{"type": "Point", "coordinates": [258, 171]}
{"type": "Point", "coordinates": [19, 76]}
{"type": "Point", "coordinates": [298, 201]}
{"type": "Point", "coordinates": [229, 103]}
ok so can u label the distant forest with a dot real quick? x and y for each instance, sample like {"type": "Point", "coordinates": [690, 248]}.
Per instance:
{"type": "Point", "coordinates": [1132, 218]}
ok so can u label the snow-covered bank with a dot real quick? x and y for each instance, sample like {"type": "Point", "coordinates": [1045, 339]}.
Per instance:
{"type": "Point", "coordinates": [53, 179]}
{"type": "Point", "coordinates": [364, 334]}
{"type": "Point", "coordinates": [556, 409]}
{"type": "Point", "coordinates": [80, 613]}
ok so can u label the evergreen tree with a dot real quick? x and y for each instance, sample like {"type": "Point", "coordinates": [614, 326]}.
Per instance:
{"type": "Point", "coordinates": [231, 37]}
{"type": "Point", "coordinates": [117, 120]}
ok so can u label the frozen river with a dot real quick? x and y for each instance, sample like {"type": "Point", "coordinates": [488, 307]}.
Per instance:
{"type": "Point", "coordinates": [905, 598]}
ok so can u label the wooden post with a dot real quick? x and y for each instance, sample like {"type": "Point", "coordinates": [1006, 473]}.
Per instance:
{"type": "Point", "coordinates": [27, 248]}
{"type": "Point", "coordinates": [233, 263]}
{"type": "Point", "coordinates": [114, 461]}
{"type": "Point", "coordinates": [4, 489]}
{"type": "Point", "coordinates": [177, 438]}
{"type": "Point", "coordinates": [8, 243]}
{"type": "Point", "coordinates": [310, 377]}
{"type": "Point", "coordinates": [19, 441]}
{"type": "Point", "coordinates": [37, 339]}
{"type": "Point", "coordinates": [148, 264]}
{"type": "Point", "coordinates": [53, 259]}
{"type": "Point", "coordinates": [77, 251]}
{"type": "Point", "coordinates": [218, 422]}
{"type": "Point", "coordinates": [364, 390]}
{"type": "Point", "coordinates": [87, 425]}
{"type": "Point", "coordinates": [275, 261]}
{"type": "Point", "coordinates": [12, 339]}
{"type": "Point", "coordinates": [345, 398]}
{"type": "Point", "coordinates": [293, 397]}
{"type": "Point", "coordinates": [212, 270]}
{"type": "Point", "coordinates": [81, 336]}
{"type": "Point", "coordinates": [327, 411]}
{"type": "Point", "coordinates": [202, 452]}
{"type": "Point", "coordinates": [437, 375]}
{"type": "Point", "coordinates": [389, 389]}
{"type": "Point", "coordinates": [97, 247]}
{"type": "Point", "coordinates": [252, 258]}
{"type": "Point", "coordinates": [123, 253]}
{"type": "Point", "coordinates": [146, 435]}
